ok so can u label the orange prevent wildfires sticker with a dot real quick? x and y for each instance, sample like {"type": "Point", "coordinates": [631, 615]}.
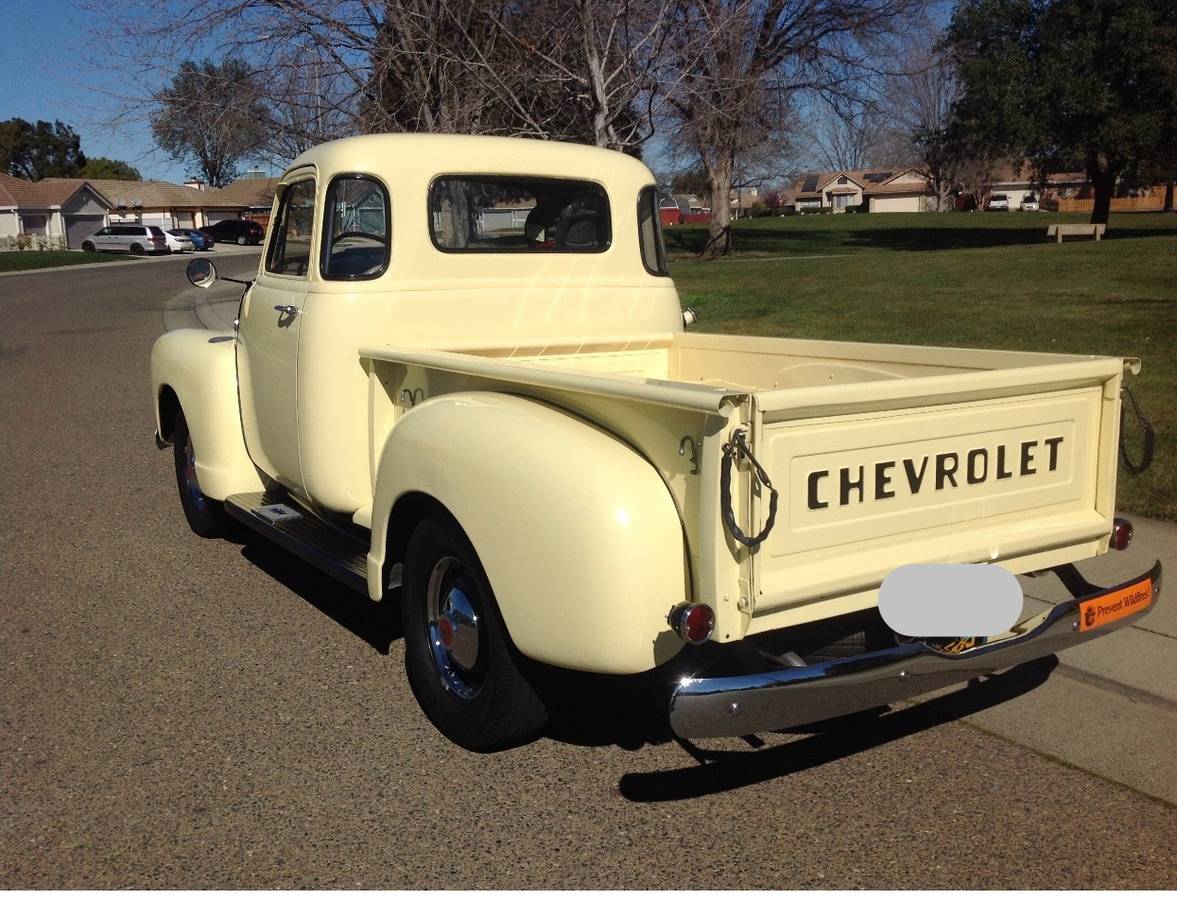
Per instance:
{"type": "Point", "coordinates": [1100, 611]}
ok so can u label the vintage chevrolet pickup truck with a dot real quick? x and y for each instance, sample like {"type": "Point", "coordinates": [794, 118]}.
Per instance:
{"type": "Point", "coordinates": [461, 381]}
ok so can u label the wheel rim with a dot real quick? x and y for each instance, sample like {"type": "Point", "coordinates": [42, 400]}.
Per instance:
{"type": "Point", "coordinates": [454, 628]}
{"type": "Point", "coordinates": [191, 485]}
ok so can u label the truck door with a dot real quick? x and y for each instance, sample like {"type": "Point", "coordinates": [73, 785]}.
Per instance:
{"type": "Point", "coordinates": [271, 319]}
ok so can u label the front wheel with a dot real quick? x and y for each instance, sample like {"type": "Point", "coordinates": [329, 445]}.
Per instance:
{"type": "Point", "coordinates": [461, 666]}
{"type": "Point", "coordinates": [241, 241]}
{"type": "Point", "coordinates": [88, 246]}
{"type": "Point", "coordinates": [205, 516]}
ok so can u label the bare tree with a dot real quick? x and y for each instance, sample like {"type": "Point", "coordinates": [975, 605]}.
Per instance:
{"type": "Point", "coordinates": [847, 132]}
{"type": "Point", "coordinates": [920, 99]}
{"type": "Point", "coordinates": [740, 65]}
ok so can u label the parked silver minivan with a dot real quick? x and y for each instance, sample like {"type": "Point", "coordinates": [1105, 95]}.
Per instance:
{"type": "Point", "coordinates": [128, 238]}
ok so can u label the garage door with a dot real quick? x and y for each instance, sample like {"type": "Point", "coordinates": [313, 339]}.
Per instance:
{"type": "Point", "coordinates": [78, 228]}
{"type": "Point", "coordinates": [895, 204]}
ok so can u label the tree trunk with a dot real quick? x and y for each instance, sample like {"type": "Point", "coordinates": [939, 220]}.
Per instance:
{"type": "Point", "coordinates": [1169, 195]}
{"type": "Point", "coordinates": [1104, 184]}
{"type": "Point", "coordinates": [719, 234]}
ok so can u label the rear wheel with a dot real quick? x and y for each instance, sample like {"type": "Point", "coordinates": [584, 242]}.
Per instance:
{"type": "Point", "coordinates": [205, 516]}
{"type": "Point", "coordinates": [463, 671]}
{"type": "Point", "coordinates": [136, 248]}
{"type": "Point", "coordinates": [241, 241]}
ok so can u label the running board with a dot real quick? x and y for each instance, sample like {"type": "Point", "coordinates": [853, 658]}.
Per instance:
{"type": "Point", "coordinates": [308, 537]}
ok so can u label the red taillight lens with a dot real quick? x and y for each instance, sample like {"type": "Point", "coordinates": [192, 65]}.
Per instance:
{"type": "Point", "coordinates": [693, 622]}
{"type": "Point", "coordinates": [1121, 534]}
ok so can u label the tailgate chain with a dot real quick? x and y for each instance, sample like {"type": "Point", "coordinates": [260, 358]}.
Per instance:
{"type": "Point", "coordinates": [732, 451]}
{"type": "Point", "coordinates": [1150, 437]}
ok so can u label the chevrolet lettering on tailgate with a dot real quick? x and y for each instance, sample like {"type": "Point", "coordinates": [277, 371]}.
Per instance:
{"type": "Point", "coordinates": [909, 475]}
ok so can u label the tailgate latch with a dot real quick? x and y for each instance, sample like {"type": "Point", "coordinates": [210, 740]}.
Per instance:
{"type": "Point", "coordinates": [732, 451]}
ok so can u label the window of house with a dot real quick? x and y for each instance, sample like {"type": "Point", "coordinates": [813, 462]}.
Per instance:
{"type": "Point", "coordinates": [356, 229]}
{"type": "Point", "coordinates": [650, 233]}
{"type": "Point", "coordinates": [843, 180]}
{"type": "Point", "coordinates": [509, 214]}
{"type": "Point", "coordinates": [290, 246]}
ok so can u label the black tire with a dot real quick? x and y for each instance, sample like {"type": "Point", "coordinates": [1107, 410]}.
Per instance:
{"type": "Point", "coordinates": [137, 248]}
{"type": "Point", "coordinates": [241, 241]}
{"type": "Point", "coordinates": [206, 517]}
{"type": "Point", "coordinates": [88, 247]}
{"type": "Point", "coordinates": [476, 695]}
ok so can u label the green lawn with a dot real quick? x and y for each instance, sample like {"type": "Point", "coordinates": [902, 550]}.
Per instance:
{"type": "Point", "coordinates": [961, 279]}
{"type": "Point", "coordinates": [19, 260]}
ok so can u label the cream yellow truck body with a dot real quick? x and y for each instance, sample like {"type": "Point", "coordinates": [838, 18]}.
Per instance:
{"type": "Point", "coordinates": [551, 403]}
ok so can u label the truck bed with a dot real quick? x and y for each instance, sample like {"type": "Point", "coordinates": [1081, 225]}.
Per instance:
{"type": "Point", "coordinates": [882, 454]}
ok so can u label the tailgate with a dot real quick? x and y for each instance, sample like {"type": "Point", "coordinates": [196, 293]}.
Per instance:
{"type": "Point", "coordinates": [979, 466]}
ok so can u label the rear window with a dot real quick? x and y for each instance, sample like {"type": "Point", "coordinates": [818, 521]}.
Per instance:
{"type": "Point", "coordinates": [501, 214]}
{"type": "Point", "coordinates": [999, 196]}
{"type": "Point", "coordinates": [155, 231]}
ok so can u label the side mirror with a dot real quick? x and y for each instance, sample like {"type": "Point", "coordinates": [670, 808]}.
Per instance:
{"type": "Point", "coordinates": [202, 273]}
{"type": "Point", "coordinates": [689, 315]}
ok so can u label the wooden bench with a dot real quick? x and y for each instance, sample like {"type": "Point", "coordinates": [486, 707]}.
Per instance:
{"type": "Point", "coordinates": [1058, 231]}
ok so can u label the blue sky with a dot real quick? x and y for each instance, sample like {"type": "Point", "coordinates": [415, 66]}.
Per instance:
{"type": "Point", "coordinates": [45, 74]}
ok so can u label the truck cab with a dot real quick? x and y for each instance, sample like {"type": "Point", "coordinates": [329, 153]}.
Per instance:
{"type": "Point", "coordinates": [461, 382]}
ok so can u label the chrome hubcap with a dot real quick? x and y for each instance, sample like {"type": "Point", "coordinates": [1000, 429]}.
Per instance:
{"type": "Point", "coordinates": [454, 628]}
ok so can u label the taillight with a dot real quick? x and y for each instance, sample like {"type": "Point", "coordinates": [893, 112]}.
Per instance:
{"type": "Point", "coordinates": [693, 622]}
{"type": "Point", "coordinates": [1121, 534]}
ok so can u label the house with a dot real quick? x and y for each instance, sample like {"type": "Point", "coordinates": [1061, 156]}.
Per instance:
{"type": "Point", "coordinates": [57, 212]}
{"type": "Point", "coordinates": [246, 198]}
{"type": "Point", "coordinates": [668, 211]}
{"type": "Point", "coordinates": [1018, 182]}
{"type": "Point", "coordinates": [897, 189]}
{"type": "Point", "coordinates": [151, 202]}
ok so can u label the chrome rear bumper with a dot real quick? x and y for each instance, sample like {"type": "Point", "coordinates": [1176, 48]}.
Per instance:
{"type": "Point", "coordinates": [786, 698]}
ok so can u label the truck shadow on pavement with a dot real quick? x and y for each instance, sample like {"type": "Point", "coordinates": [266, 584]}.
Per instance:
{"type": "Point", "coordinates": [630, 712]}
{"type": "Point", "coordinates": [377, 624]}
{"type": "Point", "coordinates": [718, 771]}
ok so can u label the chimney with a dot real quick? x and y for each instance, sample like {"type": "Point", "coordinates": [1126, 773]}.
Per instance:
{"type": "Point", "coordinates": [196, 184]}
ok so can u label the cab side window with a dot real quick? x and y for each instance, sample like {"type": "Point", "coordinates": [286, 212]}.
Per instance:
{"type": "Point", "coordinates": [290, 246]}
{"type": "Point", "coordinates": [356, 229]}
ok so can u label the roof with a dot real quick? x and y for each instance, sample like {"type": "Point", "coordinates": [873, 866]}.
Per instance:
{"type": "Point", "coordinates": [47, 192]}
{"type": "Point", "coordinates": [244, 192]}
{"type": "Point", "coordinates": [417, 157]}
{"type": "Point", "coordinates": [132, 194]}
{"type": "Point", "coordinates": [878, 180]}
{"type": "Point", "coordinates": [1024, 173]}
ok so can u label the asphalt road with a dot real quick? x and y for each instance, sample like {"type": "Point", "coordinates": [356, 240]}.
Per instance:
{"type": "Point", "coordinates": [186, 713]}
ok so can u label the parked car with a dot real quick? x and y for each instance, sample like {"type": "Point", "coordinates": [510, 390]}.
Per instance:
{"type": "Point", "coordinates": [236, 231]}
{"type": "Point", "coordinates": [201, 239]}
{"type": "Point", "coordinates": [1030, 203]}
{"type": "Point", "coordinates": [128, 238]}
{"type": "Point", "coordinates": [998, 203]}
{"type": "Point", "coordinates": [178, 241]}
{"type": "Point", "coordinates": [507, 433]}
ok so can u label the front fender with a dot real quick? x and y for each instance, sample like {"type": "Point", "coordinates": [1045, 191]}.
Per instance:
{"type": "Point", "coordinates": [578, 534]}
{"type": "Point", "coordinates": [200, 368]}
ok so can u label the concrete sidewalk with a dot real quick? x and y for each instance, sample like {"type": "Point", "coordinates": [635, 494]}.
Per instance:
{"type": "Point", "coordinates": [1109, 708]}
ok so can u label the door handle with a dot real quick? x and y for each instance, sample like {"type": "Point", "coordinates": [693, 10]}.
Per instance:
{"type": "Point", "coordinates": [287, 310]}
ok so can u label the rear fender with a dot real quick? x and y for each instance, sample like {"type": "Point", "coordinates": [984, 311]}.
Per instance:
{"type": "Point", "coordinates": [196, 371]}
{"type": "Point", "coordinates": [578, 533]}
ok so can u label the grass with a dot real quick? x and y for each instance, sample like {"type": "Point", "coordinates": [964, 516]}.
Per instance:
{"type": "Point", "coordinates": [967, 280]}
{"type": "Point", "coordinates": [21, 260]}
